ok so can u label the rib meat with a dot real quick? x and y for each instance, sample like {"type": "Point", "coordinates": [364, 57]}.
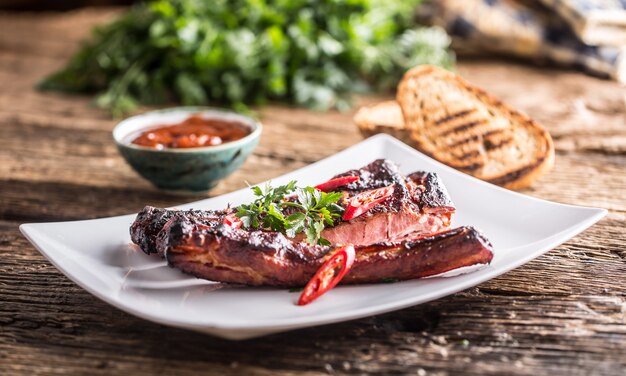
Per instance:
{"type": "Point", "coordinates": [404, 237]}
{"type": "Point", "coordinates": [261, 258]}
{"type": "Point", "coordinates": [419, 205]}
{"type": "Point", "coordinates": [150, 221]}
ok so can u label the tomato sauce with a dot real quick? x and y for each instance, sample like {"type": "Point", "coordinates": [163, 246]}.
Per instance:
{"type": "Point", "coordinates": [194, 132]}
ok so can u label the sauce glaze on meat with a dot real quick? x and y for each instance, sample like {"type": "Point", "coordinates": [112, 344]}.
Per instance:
{"type": "Point", "coordinates": [406, 236]}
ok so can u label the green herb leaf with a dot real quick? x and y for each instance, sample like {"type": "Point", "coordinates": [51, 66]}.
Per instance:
{"type": "Point", "coordinates": [257, 191]}
{"type": "Point", "coordinates": [323, 241]}
{"type": "Point", "coordinates": [274, 219]}
{"type": "Point", "coordinates": [312, 236]}
{"type": "Point", "coordinates": [305, 198]}
{"type": "Point", "coordinates": [296, 223]}
{"type": "Point", "coordinates": [330, 198]}
{"type": "Point", "coordinates": [248, 52]}
{"type": "Point", "coordinates": [313, 210]}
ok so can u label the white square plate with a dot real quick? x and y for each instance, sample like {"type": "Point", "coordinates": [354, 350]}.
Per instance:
{"type": "Point", "coordinates": [96, 255]}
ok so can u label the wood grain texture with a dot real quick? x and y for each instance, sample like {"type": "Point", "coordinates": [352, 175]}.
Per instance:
{"type": "Point", "coordinates": [561, 314]}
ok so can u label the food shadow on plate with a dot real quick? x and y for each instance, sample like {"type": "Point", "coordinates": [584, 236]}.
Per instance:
{"type": "Point", "coordinates": [138, 270]}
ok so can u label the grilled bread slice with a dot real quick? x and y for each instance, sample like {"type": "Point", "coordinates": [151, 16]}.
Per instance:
{"type": "Point", "coordinates": [383, 117]}
{"type": "Point", "coordinates": [470, 130]}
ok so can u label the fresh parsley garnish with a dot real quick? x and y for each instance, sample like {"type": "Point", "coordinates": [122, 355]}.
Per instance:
{"type": "Point", "coordinates": [309, 210]}
{"type": "Point", "coordinates": [250, 52]}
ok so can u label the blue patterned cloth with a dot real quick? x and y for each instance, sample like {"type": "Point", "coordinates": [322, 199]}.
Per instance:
{"type": "Point", "coordinates": [595, 22]}
{"type": "Point", "coordinates": [524, 29]}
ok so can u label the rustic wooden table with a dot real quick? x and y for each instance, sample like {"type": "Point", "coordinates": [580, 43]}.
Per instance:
{"type": "Point", "coordinates": [563, 313]}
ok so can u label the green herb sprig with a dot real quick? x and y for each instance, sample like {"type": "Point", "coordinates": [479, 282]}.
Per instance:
{"type": "Point", "coordinates": [311, 211]}
{"type": "Point", "coordinates": [248, 52]}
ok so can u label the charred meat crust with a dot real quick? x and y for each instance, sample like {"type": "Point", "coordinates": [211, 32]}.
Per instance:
{"type": "Point", "coordinates": [414, 208]}
{"type": "Point", "coordinates": [269, 259]}
{"type": "Point", "coordinates": [420, 192]}
{"type": "Point", "coordinates": [232, 255]}
{"type": "Point", "coordinates": [274, 244]}
{"type": "Point", "coordinates": [422, 189]}
{"type": "Point", "coordinates": [423, 257]}
{"type": "Point", "coordinates": [150, 221]}
{"type": "Point", "coordinates": [198, 243]}
{"type": "Point", "coordinates": [435, 197]}
{"type": "Point", "coordinates": [378, 174]}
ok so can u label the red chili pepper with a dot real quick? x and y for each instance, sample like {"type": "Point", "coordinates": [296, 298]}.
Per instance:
{"type": "Point", "coordinates": [233, 221]}
{"type": "Point", "coordinates": [364, 201]}
{"type": "Point", "coordinates": [328, 275]}
{"type": "Point", "coordinates": [335, 183]}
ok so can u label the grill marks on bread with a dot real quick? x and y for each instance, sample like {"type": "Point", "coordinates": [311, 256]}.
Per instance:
{"type": "Point", "coordinates": [466, 128]}
{"type": "Point", "coordinates": [469, 137]}
{"type": "Point", "coordinates": [449, 118]}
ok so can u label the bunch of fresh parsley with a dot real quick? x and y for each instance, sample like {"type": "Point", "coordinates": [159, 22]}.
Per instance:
{"type": "Point", "coordinates": [242, 52]}
{"type": "Point", "coordinates": [309, 211]}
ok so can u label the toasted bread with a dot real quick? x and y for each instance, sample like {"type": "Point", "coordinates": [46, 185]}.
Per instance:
{"type": "Point", "coordinates": [383, 117]}
{"type": "Point", "coordinates": [470, 130]}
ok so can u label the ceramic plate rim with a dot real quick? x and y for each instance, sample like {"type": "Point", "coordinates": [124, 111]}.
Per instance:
{"type": "Point", "coordinates": [29, 230]}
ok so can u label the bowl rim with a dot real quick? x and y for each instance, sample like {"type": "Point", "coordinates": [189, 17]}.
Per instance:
{"type": "Point", "coordinates": [214, 112]}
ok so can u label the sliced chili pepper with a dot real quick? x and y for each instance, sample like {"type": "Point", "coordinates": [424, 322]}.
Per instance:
{"type": "Point", "coordinates": [328, 275]}
{"type": "Point", "coordinates": [364, 201]}
{"type": "Point", "coordinates": [233, 221]}
{"type": "Point", "coordinates": [335, 183]}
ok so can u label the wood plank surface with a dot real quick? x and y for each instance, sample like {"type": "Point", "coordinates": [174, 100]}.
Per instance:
{"type": "Point", "coordinates": [563, 313]}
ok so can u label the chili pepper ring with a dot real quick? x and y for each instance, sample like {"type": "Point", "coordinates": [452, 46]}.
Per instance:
{"type": "Point", "coordinates": [329, 275]}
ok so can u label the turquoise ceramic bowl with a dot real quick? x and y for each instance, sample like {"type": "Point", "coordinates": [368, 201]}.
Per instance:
{"type": "Point", "coordinates": [192, 170]}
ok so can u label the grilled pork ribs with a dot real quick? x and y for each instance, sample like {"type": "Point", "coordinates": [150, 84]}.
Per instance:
{"type": "Point", "coordinates": [406, 236]}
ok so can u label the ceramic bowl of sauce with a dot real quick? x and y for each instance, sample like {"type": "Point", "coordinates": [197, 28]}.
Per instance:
{"type": "Point", "coordinates": [187, 149]}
